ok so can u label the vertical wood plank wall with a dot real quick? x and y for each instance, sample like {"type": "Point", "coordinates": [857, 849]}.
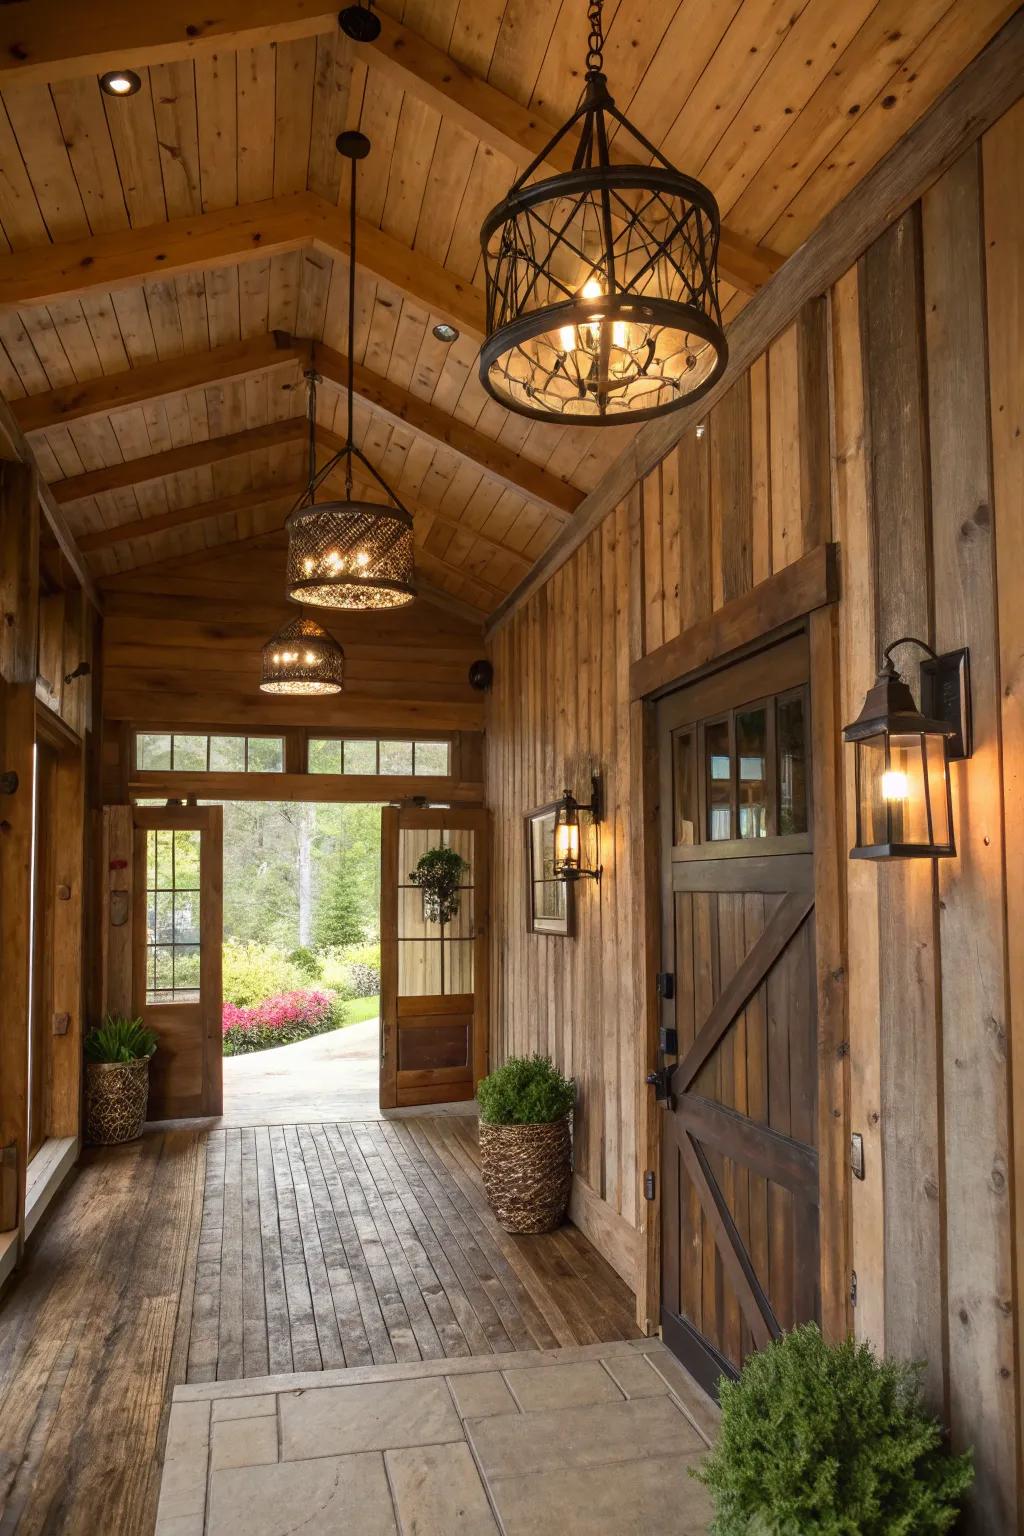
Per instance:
{"type": "Point", "coordinates": [888, 418]}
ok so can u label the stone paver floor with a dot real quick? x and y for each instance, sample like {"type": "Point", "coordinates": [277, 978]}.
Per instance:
{"type": "Point", "coordinates": [596, 1439]}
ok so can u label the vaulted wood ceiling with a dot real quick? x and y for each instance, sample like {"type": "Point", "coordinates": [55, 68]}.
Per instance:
{"type": "Point", "coordinates": [170, 257]}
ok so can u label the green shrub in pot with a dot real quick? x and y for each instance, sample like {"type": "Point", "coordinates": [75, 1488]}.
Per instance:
{"type": "Point", "coordinates": [823, 1439]}
{"type": "Point", "coordinates": [117, 1057]}
{"type": "Point", "coordinates": [526, 1142]}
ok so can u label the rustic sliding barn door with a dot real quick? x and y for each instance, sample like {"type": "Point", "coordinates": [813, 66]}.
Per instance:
{"type": "Point", "coordinates": [740, 1248]}
{"type": "Point", "coordinates": [433, 974]}
{"type": "Point", "coordinates": [176, 954]}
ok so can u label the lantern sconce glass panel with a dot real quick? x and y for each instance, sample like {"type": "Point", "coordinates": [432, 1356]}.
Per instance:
{"type": "Point", "coordinates": [902, 755]}
{"type": "Point", "coordinates": [569, 864]}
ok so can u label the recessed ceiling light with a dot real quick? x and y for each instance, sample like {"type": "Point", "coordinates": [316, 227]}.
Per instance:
{"type": "Point", "coordinates": [445, 332]}
{"type": "Point", "coordinates": [120, 82]}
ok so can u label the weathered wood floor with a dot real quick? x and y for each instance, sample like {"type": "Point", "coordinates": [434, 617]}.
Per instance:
{"type": "Point", "coordinates": [302, 1247]}
{"type": "Point", "coordinates": [371, 1242]}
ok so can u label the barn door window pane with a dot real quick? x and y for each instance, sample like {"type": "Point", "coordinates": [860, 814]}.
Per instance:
{"type": "Point", "coordinates": [685, 793]}
{"type": "Point", "coordinates": [752, 753]}
{"type": "Point", "coordinates": [792, 764]}
{"type": "Point", "coordinates": [719, 780]}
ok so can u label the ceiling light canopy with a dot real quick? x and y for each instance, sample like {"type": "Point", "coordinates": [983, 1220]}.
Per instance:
{"type": "Point", "coordinates": [602, 286]}
{"type": "Point", "coordinates": [302, 658]}
{"type": "Point", "coordinates": [348, 553]}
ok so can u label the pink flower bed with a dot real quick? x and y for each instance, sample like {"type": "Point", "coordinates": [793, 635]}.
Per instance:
{"type": "Point", "coordinates": [276, 1021]}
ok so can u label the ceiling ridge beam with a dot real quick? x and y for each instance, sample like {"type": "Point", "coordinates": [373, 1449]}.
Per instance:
{"type": "Point", "coordinates": [223, 237]}
{"type": "Point", "coordinates": [492, 458]}
{"type": "Point", "coordinates": [156, 381]}
{"type": "Point", "coordinates": [171, 461]}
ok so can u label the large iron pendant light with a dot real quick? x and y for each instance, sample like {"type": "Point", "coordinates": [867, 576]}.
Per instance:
{"type": "Point", "coordinates": [302, 658]}
{"type": "Point", "coordinates": [602, 288]}
{"type": "Point", "coordinates": [348, 554]}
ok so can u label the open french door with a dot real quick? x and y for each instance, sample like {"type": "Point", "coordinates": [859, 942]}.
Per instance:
{"type": "Point", "coordinates": [434, 976]}
{"type": "Point", "coordinates": [176, 954]}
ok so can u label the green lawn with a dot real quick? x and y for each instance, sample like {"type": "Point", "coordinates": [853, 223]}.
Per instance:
{"type": "Point", "coordinates": [361, 1008]}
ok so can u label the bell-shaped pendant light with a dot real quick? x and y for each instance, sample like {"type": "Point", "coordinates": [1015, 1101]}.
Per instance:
{"type": "Point", "coordinates": [302, 658]}
{"type": "Point", "coordinates": [348, 554]}
{"type": "Point", "coordinates": [602, 286]}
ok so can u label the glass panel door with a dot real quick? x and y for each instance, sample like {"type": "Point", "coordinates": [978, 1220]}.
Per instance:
{"type": "Point", "coordinates": [433, 966]}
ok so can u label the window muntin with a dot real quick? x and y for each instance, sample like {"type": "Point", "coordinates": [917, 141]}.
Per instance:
{"type": "Point", "coordinates": [188, 752]}
{"type": "Point", "coordinates": [389, 757]}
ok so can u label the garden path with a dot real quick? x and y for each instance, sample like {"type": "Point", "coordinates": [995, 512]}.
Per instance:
{"type": "Point", "coordinates": [328, 1077]}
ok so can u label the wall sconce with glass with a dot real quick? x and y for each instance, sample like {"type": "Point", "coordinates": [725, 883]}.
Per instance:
{"type": "Point", "coordinates": [568, 846]}
{"type": "Point", "coordinates": [901, 772]}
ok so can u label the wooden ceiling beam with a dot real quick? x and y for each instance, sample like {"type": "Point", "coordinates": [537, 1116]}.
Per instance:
{"type": "Point", "coordinates": [223, 237]}
{"type": "Point", "coordinates": [155, 381]}
{"type": "Point", "coordinates": [202, 511]}
{"type": "Point", "coordinates": [266, 496]}
{"type": "Point", "coordinates": [492, 458]}
{"type": "Point", "coordinates": [41, 42]}
{"type": "Point", "coordinates": [383, 398]}
{"type": "Point", "coordinates": [154, 466]}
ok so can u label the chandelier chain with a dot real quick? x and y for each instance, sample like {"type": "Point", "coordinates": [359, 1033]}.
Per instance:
{"type": "Point", "coordinates": [595, 42]}
{"type": "Point", "coordinates": [351, 324]}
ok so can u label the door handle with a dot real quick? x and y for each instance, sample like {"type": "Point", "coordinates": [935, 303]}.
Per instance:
{"type": "Point", "coordinates": [661, 1082]}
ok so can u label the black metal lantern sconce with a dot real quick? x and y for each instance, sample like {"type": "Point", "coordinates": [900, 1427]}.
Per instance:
{"type": "Point", "coordinates": [568, 844]}
{"type": "Point", "coordinates": [904, 807]}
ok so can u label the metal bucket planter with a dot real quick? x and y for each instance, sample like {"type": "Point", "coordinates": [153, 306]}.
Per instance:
{"type": "Point", "coordinates": [115, 1100]}
{"type": "Point", "coordinates": [527, 1173]}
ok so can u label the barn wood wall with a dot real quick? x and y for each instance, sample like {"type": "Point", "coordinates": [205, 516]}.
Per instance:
{"type": "Point", "coordinates": [888, 418]}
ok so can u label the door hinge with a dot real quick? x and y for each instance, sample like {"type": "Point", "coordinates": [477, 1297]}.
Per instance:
{"type": "Point", "coordinates": [857, 1155]}
{"type": "Point", "coordinates": [649, 1184]}
{"type": "Point", "coordinates": [665, 983]}
{"type": "Point", "coordinates": [853, 1287]}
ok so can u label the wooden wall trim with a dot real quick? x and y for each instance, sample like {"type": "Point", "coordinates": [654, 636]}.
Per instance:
{"type": "Point", "coordinates": [797, 590]}
{"type": "Point", "coordinates": [987, 89]}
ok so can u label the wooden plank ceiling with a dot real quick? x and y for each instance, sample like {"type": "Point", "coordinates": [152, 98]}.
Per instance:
{"type": "Point", "coordinates": [169, 257]}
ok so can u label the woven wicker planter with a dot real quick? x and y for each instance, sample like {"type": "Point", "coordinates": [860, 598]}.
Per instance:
{"type": "Point", "coordinates": [527, 1173]}
{"type": "Point", "coordinates": [115, 1100]}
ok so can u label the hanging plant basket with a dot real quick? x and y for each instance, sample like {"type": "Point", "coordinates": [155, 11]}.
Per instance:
{"type": "Point", "coordinates": [438, 874]}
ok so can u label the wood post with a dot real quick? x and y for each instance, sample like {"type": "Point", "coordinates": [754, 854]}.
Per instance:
{"type": "Point", "coordinates": [19, 623]}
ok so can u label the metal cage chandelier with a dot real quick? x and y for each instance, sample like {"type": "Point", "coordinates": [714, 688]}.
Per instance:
{"type": "Point", "coordinates": [348, 554]}
{"type": "Point", "coordinates": [302, 658]}
{"type": "Point", "coordinates": [602, 287]}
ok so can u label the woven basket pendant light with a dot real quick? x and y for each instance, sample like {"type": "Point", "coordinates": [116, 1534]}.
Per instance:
{"type": "Point", "coordinates": [602, 286]}
{"type": "Point", "coordinates": [348, 554]}
{"type": "Point", "coordinates": [302, 658]}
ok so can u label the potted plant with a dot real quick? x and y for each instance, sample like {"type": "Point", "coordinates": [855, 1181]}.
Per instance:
{"type": "Point", "coordinates": [526, 1143]}
{"type": "Point", "coordinates": [438, 874]}
{"type": "Point", "coordinates": [117, 1057]}
{"type": "Point", "coordinates": [822, 1439]}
